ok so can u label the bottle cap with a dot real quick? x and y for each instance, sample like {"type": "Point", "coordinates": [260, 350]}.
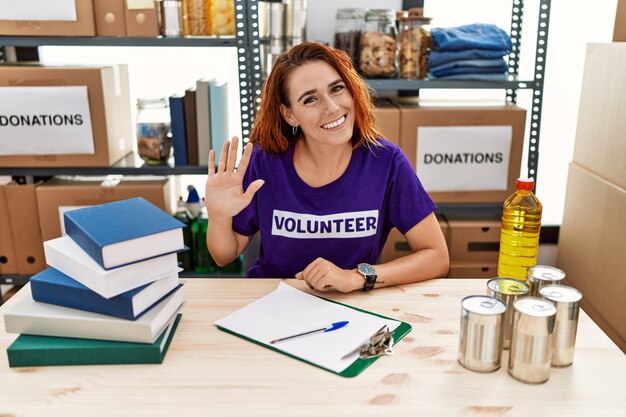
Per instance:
{"type": "Point", "coordinates": [526, 184]}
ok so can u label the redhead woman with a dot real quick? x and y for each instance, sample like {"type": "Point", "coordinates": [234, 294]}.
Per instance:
{"type": "Point", "coordinates": [321, 185]}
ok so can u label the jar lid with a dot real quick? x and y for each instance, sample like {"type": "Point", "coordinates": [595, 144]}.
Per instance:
{"type": "Point", "coordinates": [382, 15]}
{"type": "Point", "coordinates": [508, 286]}
{"type": "Point", "coordinates": [152, 102]}
{"type": "Point", "coordinates": [483, 305]}
{"type": "Point", "coordinates": [560, 293]}
{"type": "Point", "coordinates": [534, 306]}
{"type": "Point", "coordinates": [350, 13]}
{"type": "Point", "coordinates": [544, 273]}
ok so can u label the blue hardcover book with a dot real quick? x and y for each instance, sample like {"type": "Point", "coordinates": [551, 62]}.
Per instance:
{"type": "Point", "coordinates": [218, 93]}
{"type": "Point", "coordinates": [124, 232]}
{"type": "Point", "coordinates": [179, 135]}
{"type": "Point", "coordinates": [54, 287]}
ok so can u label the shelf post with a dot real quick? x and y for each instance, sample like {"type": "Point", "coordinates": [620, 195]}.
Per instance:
{"type": "Point", "coordinates": [248, 62]}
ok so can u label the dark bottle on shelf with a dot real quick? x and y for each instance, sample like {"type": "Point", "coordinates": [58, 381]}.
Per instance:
{"type": "Point", "coordinates": [185, 259]}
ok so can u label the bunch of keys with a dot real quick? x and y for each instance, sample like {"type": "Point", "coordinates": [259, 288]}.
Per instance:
{"type": "Point", "coordinates": [379, 344]}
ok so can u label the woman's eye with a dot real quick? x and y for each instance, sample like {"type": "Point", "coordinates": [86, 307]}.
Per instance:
{"type": "Point", "coordinates": [309, 100]}
{"type": "Point", "coordinates": [337, 88]}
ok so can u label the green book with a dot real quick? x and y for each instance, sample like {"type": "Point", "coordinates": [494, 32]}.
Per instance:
{"type": "Point", "coordinates": [28, 350]}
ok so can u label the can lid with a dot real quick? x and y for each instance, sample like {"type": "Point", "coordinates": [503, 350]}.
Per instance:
{"type": "Point", "coordinates": [544, 273]}
{"type": "Point", "coordinates": [484, 305]}
{"type": "Point", "coordinates": [560, 293]}
{"type": "Point", "coordinates": [508, 286]}
{"type": "Point", "coordinates": [534, 306]}
{"type": "Point", "coordinates": [525, 184]}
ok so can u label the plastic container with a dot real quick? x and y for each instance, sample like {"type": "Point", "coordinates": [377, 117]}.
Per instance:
{"type": "Point", "coordinates": [519, 235]}
{"type": "Point", "coordinates": [154, 137]}
{"type": "Point", "coordinates": [202, 259]}
{"type": "Point", "coordinates": [377, 56]}
{"type": "Point", "coordinates": [415, 38]}
{"type": "Point", "coordinates": [349, 25]}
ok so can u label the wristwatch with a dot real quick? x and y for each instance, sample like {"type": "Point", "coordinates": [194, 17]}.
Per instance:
{"type": "Point", "coordinates": [369, 273]}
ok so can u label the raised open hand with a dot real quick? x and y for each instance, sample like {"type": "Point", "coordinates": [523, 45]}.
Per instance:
{"type": "Point", "coordinates": [224, 194]}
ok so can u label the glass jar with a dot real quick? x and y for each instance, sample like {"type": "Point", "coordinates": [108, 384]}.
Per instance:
{"type": "Point", "coordinates": [154, 138]}
{"type": "Point", "coordinates": [349, 25]}
{"type": "Point", "coordinates": [377, 57]}
{"type": "Point", "coordinates": [414, 44]}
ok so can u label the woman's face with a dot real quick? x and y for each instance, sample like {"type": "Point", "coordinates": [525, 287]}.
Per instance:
{"type": "Point", "coordinates": [321, 105]}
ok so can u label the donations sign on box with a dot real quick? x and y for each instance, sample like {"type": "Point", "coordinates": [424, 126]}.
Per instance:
{"type": "Point", "coordinates": [45, 120]}
{"type": "Point", "coordinates": [463, 158]}
{"type": "Point", "coordinates": [38, 10]}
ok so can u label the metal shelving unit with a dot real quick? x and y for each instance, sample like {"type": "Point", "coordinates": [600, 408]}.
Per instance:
{"type": "Point", "coordinates": [247, 43]}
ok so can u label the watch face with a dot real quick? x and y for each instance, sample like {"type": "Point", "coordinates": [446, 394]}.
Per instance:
{"type": "Point", "coordinates": [366, 269]}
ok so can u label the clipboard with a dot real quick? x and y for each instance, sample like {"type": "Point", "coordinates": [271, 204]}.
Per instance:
{"type": "Point", "coordinates": [359, 365]}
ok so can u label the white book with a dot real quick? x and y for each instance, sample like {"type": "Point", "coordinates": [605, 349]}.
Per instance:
{"type": "Point", "coordinates": [31, 317]}
{"type": "Point", "coordinates": [203, 123]}
{"type": "Point", "coordinates": [65, 255]}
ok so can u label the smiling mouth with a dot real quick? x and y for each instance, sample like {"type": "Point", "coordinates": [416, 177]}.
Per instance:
{"type": "Point", "coordinates": [337, 123]}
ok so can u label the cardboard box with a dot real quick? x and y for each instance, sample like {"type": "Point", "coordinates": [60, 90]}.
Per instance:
{"type": "Point", "coordinates": [600, 145]}
{"type": "Point", "coordinates": [397, 246]}
{"type": "Point", "coordinates": [109, 108]}
{"type": "Point", "coordinates": [57, 195]}
{"type": "Point", "coordinates": [110, 17]}
{"type": "Point", "coordinates": [473, 270]}
{"type": "Point", "coordinates": [82, 26]}
{"type": "Point", "coordinates": [473, 239]}
{"type": "Point", "coordinates": [591, 248]}
{"type": "Point", "coordinates": [387, 116]}
{"type": "Point", "coordinates": [619, 31]}
{"type": "Point", "coordinates": [22, 206]}
{"type": "Point", "coordinates": [8, 261]}
{"type": "Point", "coordinates": [142, 18]}
{"type": "Point", "coordinates": [502, 126]}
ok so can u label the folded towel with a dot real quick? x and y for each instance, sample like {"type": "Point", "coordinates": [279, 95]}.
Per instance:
{"type": "Point", "coordinates": [478, 63]}
{"type": "Point", "coordinates": [441, 57]}
{"type": "Point", "coordinates": [472, 77]}
{"type": "Point", "coordinates": [470, 70]}
{"type": "Point", "coordinates": [477, 35]}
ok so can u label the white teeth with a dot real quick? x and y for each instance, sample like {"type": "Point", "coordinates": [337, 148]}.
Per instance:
{"type": "Point", "coordinates": [335, 124]}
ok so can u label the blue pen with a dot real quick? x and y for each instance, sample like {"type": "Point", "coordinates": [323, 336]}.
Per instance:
{"type": "Point", "coordinates": [326, 329]}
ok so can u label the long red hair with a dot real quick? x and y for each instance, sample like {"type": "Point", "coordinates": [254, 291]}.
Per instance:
{"type": "Point", "coordinates": [272, 131]}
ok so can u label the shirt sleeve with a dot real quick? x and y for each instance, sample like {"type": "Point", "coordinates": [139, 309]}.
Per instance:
{"type": "Point", "coordinates": [408, 202]}
{"type": "Point", "coordinates": [246, 223]}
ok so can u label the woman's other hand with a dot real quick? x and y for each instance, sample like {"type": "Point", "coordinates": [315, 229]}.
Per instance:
{"type": "Point", "coordinates": [224, 194]}
{"type": "Point", "coordinates": [323, 275]}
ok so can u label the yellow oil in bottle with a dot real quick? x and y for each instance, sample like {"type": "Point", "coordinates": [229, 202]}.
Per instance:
{"type": "Point", "coordinates": [519, 236]}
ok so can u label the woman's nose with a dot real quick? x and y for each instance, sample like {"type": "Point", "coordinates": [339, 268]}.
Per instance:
{"type": "Point", "coordinates": [331, 105]}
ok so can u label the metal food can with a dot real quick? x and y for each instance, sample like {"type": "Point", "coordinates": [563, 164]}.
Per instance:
{"type": "Point", "coordinates": [480, 337]}
{"type": "Point", "coordinates": [539, 275]}
{"type": "Point", "coordinates": [531, 343]}
{"type": "Point", "coordinates": [507, 290]}
{"type": "Point", "coordinates": [567, 302]}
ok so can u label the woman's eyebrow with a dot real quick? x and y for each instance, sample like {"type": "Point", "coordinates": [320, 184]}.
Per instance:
{"type": "Point", "coordinates": [306, 93]}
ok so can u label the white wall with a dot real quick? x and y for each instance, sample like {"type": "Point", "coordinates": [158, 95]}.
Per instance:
{"type": "Point", "coordinates": [573, 24]}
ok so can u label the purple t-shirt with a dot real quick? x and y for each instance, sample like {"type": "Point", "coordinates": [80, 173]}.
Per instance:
{"type": "Point", "coordinates": [346, 222]}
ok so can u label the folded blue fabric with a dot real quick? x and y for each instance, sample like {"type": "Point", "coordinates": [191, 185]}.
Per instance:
{"type": "Point", "coordinates": [441, 57]}
{"type": "Point", "coordinates": [471, 77]}
{"type": "Point", "coordinates": [479, 63]}
{"type": "Point", "coordinates": [496, 69]}
{"type": "Point", "coordinates": [477, 35]}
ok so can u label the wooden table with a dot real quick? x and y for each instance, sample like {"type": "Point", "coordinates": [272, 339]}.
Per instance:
{"type": "Point", "coordinates": [211, 373]}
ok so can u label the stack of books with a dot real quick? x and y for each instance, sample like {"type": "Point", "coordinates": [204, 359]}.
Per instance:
{"type": "Point", "coordinates": [110, 294]}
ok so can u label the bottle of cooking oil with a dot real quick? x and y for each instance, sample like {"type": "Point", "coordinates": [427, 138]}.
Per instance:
{"type": "Point", "coordinates": [519, 236]}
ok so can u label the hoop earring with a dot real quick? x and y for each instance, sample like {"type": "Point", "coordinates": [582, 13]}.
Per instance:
{"type": "Point", "coordinates": [294, 130]}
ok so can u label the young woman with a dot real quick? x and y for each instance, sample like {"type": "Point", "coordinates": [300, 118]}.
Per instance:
{"type": "Point", "coordinates": [321, 185]}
